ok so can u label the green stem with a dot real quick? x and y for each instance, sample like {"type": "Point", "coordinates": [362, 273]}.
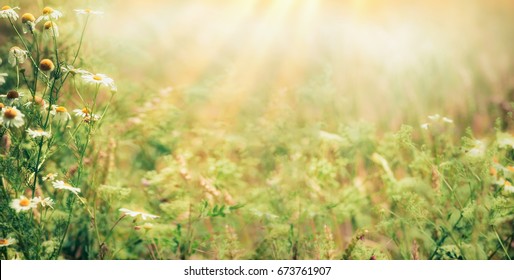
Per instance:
{"type": "Point", "coordinates": [80, 42]}
{"type": "Point", "coordinates": [501, 243]}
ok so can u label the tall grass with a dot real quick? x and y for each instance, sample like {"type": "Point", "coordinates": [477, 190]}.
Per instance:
{"type": "Point", "coordinates": [353, 131]}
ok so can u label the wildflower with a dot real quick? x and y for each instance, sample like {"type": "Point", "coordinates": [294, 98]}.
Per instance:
{"type": "Point", "coordinates": [46, 65]}
{"type": "Point", "coordinates": [99, 79]}
{"type": "Point", "coordinates": [49, 14]}
{"type": "Point", "coordinates": [64, 186]}
{"type": "Point", "coordinates": [447, 120]}
{"type": "Point", "coordinates": [28, 22]}
{"type": "Point", "coordinates": [60, 113]}
{"type": "Point", "coordinates": [2, 78]}
{"type": "Point", "coordinates": [4, 242]}
{"type": "Point", "coordinates": [86, 115]}
{"type": "Point", "coordinates": [330, 136]}
{"type": "Point", "coordinates": [17, 56]}
{"type": "Point", "coordinates": [72, 70]}
{"type": "Point", "coordinates": [478, 150]}
{"type": "Point", "coordinates": [45, 202]}
{"type": "Point", "coordinates": [38, 133]}
{"type": "Point", "coordinates": [50, 29]}
{"type": "Point", "coordinates": [39, 101]}
{"type": "Point", "coordinates": [425, 126]}
{"type": "Point", "coordinates": [507, 187]}
{"type": "Point", "coordinates": [22, 204]}
{"type": "Point", "coordinates": [131, 213]}
{"type": "Point", "coordinates": [510, 168]}
{"type": "Point", "coordinates": [493, 171]}
{"type": "Point", "coordinates": [11, 117]}
{"type": "Point", "coordinates": [87, 12]}
{"type": "Point", "coordinates": [91, 118]}
{"type": "Point", "coordinates": [8, 12]}
{"type": "Point", "coordinates": [50, 177]}
{"type": "Point", "coordinates": [84, 112]}
{"type": "Point", "coordinates": [505, 140]}
{"type": "Point", "coordinates": [12, 96]}
{"type": "Point", "coordinates": [148, 226]}
{"type": "Point", "coordinates": [435, 117]}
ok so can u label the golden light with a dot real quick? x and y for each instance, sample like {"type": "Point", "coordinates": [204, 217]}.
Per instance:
{"type": "Point", "coordinates": [239, 48]}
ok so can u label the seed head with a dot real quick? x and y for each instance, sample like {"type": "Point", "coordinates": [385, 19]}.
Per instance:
{"type": "Point", "coordinates": [27, 17]}
{"type": "Point", "coordinates": [61, 109]}
{"type": "Point", "coordinates": [47, 10]}
{"type": "Point", "coordinates": [12, 94]}
{"type": "Point", "coordinates": [46, 64]}
{"type": "Point", "coordinates": [48, 25]}
{"type": "Point", "coordinates": [10, 113]}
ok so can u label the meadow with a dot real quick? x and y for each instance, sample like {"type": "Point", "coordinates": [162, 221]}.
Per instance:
{"type": "Point", "coordinates": [354, 130]}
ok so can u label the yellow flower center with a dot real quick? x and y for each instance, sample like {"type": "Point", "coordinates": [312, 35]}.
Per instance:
{"type": "Point", "coordinates": [48, 25]}
{"type": "Point", "coordinates": [510, 168]}
{"type": "Point", "coordinates": [4, 8]}
{"type": "Point", "coordinates": [47, 10]}
{"type": "Point", "coordinates": [87, 11]}
{"type": "Point", "coordinates": [85, 111]}
{"type": "Point", "coordinates": [27, 17]}
{"type": "Point", "coordinates": [2, 106]}
{"type": "Point", "coordinates": [24, 202]}
{"type": "Point", "coordinates": [4, 242]}
{"type": "Point", "coordinates": [61, 109]}
{"type": "Point", "coordinates": [10, 114]}
{"type": "Point", "coordinates": [508, 184]}
{"type": "Point", "coordinates": [46, 64]}
{"type": "Point", "coordinates": [12, 94]}
{"type": "Point", "coordinates": [97, 78]}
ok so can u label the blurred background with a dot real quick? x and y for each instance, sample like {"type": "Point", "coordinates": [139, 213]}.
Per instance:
{"type": "Point", "coordinates": [386, 62]}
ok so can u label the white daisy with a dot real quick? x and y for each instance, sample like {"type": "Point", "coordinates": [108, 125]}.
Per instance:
{"type": "Point", "coordinates": [131, 213]}
{"type": "Point", "coordinates": [12, 96]}
{"type": "Point", "coordinates": [2, 78]}
{"type": "Point", "coordinates": [447, 120]}
{"type": "Point", "coordinates": [22, 204]}
{"type": "Point", "coordinates": [50, 177]}
{"type": "Point", "coordinates": [28, 23]}
{"type": "Point", "coordinates": [99, 79]}
{"type": "Point", "coordinates": [60, 113]}
{"type": "Point", "coordinates": [11, 117]}
{"type": "Point", "coordinates": [17, 56]}
{"type": "Point", "coordinates": [64, 186]}
{"type": "Point", "coordinates": [87, 12]}
{"type": "Point", "coordinates": [86, 115]}
{"type": "Point", "coordinates": [507, 187]}
{"type": "Point", "coordinates": [50, 29]}
{"type": "Point", "coordinates": [435, 117]}
{"type": "Point", "coordinates": [505, 140]}
{"type": "Point", "coordinates": [478, 150]}
{"type": "Point", "coordinates": [72, 70]}
{"type": "Point", "coordinates": [45, 202]}
{"type": "Point", "coordinates": [84, 112]}
{"type": "Point", "coordinates": [425, 126]}
{"type": "Point", "coordinates": [49, 14]}
{"type": "Point", "coordinates": [8, 12]}
{"type": "Point", "coordinates": [7, 241]}
{"type": "Point", "coordinates": [38, 133]}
